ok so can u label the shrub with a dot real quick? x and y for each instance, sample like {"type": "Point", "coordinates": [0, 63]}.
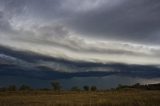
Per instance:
{"type": "Point", "coordinates": [25, 87]}
{"type": "Point", "coordinates": [93, 88]}
{"type": "Point", "coordinates": [86, 88]}
{"type": "Point", "coordinates": [12, 88]}
{"type": "Point", "coordinates": [75, 88]}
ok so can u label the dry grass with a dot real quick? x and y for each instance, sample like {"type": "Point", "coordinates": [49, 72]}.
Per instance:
{"type": "Point", "coordinates": [108, 98]}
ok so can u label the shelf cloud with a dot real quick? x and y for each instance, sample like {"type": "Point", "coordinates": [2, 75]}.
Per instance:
{"type": "Point", "coordinates": [99, 31]}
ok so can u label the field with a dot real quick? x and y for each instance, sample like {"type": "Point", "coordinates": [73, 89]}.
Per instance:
{"type": "Point", "coordinates": [71, 98]}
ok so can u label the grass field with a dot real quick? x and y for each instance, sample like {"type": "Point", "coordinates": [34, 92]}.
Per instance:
{"type": "Point", "coordinates": [69, 98]}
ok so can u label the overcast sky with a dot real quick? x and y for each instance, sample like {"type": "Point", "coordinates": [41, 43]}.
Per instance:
{"type": "Point", "coordinates": [123, 31]}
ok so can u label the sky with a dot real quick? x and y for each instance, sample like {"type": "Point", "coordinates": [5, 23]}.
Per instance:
{"type": "Point", "coordinates": [98, 31]}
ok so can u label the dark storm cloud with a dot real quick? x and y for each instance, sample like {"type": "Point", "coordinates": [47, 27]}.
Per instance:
{"type": "Point", "coordinates": [4, 24]}
{"type": "Point", "coordinates": [15, 63]}
{"type": "Point", "coordinates": [136, 21]}
{"type": "Point", "coordinates": [55, 39]}
{"type": "Point", "coordinates": [88, 30]}
{"type": "Point", "coordinates": [130, 21]}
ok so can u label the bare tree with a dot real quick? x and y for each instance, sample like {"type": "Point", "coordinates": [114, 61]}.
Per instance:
{"type": "Point", "coordinates": [56, 85]}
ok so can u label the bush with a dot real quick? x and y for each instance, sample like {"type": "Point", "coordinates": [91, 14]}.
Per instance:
{"type": "Point", "coordinates": [86, 88]}
{"type": "Point", "coordinates": [93, 88]}
{"type": "Point", "coordinates": [25, 87]}
{"type": "Point", "coordinates": [12, 88]}
{"type": "Point", "coordinates": [75, 88]}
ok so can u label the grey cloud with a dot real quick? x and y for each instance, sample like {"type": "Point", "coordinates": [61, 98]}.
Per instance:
{"type": "Point", "coordinates": [131, 21]}
{"type": "Point", "coordinates": [53, 30]}
{"type": "Point", "coordinates": [7, 31]}
{"type": "Point", "coordinates": [68, 27]}
{"type": "Point", "coordinates": [4, 24]}
{"type": "Point", "coordinates": [59, 36]}
{"type": "Point", "coordinates": [12, 8]}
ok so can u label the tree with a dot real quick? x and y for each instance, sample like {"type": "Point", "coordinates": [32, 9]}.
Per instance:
{"type": "Point", "coordinates": [93, 88]}
{"type": "Point", "coordinates": [86, 88]}
{"type": "Point", "coordinates": [56, 85]}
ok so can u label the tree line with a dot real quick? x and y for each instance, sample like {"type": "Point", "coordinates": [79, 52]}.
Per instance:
{"type": "Point", "coordinates": [56, 86]}
{"type": "Point", "coordinates": [139, 86]}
